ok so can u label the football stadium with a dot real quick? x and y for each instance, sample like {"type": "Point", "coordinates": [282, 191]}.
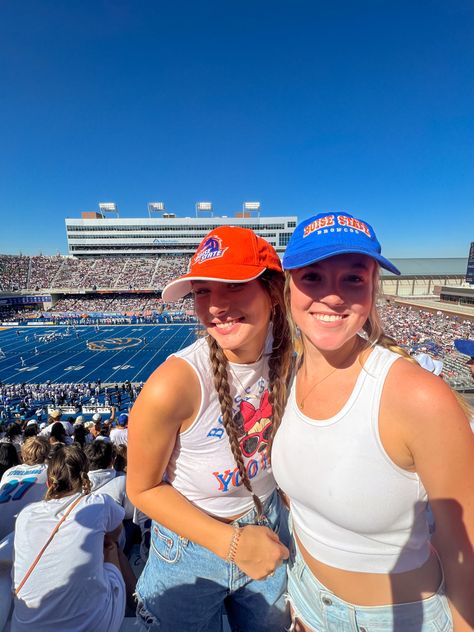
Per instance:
{"type": "Point", "coordinates": [80, 334]}
{"type": "Point", "coordinates": [97, 313]}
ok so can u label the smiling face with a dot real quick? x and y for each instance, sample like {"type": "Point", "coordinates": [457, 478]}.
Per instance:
{"type": "Point", "coordinates": [236, 315]}
{"type": "Point", "coordinates": [331, 300]}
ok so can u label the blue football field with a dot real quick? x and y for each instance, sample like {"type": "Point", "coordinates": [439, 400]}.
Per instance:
{"type": "Point", "coordinates": [111, 353]}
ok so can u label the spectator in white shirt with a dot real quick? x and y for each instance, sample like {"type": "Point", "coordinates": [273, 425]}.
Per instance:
{"type": "Point", "coordinates": [119, 435]}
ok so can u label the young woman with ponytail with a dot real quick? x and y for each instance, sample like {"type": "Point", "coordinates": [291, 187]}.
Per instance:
{"type": "Point", "coordinates": [198, 457]}
{"type": "Point", "coordinates": [366, 439]}
{"type": "Point", "coordinates": [75, 582]}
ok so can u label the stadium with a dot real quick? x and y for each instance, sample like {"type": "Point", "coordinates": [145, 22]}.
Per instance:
{"type": "Point", "coordinates": [97, 313]}
{"type": "Point", "coordinates": [81, 333]}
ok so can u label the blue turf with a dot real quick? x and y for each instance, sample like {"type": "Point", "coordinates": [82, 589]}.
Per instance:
{"type": "Point", "coordinates": [116, 353]}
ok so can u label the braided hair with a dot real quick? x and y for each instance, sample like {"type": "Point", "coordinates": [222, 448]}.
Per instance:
{"type": "Point", "coordinates": [67, 472]}
{"type": "Point", "coordinates": [278, 369]}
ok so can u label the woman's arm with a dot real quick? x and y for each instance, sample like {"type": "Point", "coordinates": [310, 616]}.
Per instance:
{"type": "Point", "coordinates": [168, 402]}
{"type": "Point", "coordinates": [441, 443]}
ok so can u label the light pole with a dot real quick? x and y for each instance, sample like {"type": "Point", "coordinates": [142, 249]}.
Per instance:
{"type": "Point", "coordinates": [204, 207]}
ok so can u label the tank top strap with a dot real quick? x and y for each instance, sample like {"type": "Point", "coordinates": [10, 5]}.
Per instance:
{"type": "Point", "coordinates": [377, 367]}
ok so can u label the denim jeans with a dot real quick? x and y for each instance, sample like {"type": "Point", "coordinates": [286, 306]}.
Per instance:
{"type": "Point", "coordinates": [185, 587]}
{"type": "Point", "coordinates": [321, 610]}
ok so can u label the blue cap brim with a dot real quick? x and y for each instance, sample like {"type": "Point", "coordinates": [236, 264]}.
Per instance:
{"type": "Point", "coordinates": [306, 258]}
{"type": "Point", "coordinates": [465, 346]}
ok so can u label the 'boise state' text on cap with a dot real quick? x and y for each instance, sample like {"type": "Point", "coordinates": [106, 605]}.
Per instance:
{"type": "Point", "coordinates": [329, 234]}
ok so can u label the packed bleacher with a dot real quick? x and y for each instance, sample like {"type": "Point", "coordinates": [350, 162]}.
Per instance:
{"type": "Point", "coordinates": [149, 308]}
{"type": "Point", "coordinates": [13, 272]}
{"type": "Point", "coordinates": [122, 304]}
{"type": "Point", "coordinates": [45, 273]}
{"type": "Point", "coordinates": [420, 331]}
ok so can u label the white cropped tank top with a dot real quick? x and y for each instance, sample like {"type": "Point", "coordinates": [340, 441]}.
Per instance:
{"type": "Point", "coordinates": [202, 466]}
{"type": "Point", "coordinates": [352, 507]}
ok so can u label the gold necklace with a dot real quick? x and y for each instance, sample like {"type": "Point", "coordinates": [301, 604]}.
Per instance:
{"type": "Point", "coordinates": [314, 386]}
{"type": "Point", "coordinates": [329, 374]}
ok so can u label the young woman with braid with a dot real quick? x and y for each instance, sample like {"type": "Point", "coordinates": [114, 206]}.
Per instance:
{"type": "Point", "coordinates": [198, 462]}
{"type": "Point", "coordinates": [366, 440]}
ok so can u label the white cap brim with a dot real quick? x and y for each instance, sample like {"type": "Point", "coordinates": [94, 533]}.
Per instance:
{"type": "Point", "coordinates": [179, 288]}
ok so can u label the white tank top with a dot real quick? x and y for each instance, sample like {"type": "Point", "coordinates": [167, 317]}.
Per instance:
{"type": "Point", "coordinates": [202, 466]}
{"type": "Point", "coordinates": [352, 507]}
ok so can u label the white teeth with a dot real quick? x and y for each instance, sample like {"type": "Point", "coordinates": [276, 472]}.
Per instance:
{"type": "Point", "coordinates": [328, 317]}
{"type": "Point", "coordinates": [227, 325]}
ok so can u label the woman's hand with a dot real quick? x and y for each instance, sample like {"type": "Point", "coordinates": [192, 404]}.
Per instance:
{"type": "Point", "coordinates": [259, 552]}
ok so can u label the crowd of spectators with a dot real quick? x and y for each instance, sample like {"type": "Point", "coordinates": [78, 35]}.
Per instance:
{"type": "Point", "coordinates": [42, 271]}
{"type": "Point", "coordinates": [13, 272]}
{"type": "Point", "coordinates": [48, 272]}
{"type": "Point", "coordinates": [421, 331]}
{"type": "Point", "coordinates": [22, 401]}
{"type": "Point", "coordinates": [125, 304]}
{"type": "Point", "coordinates": [28, 457]}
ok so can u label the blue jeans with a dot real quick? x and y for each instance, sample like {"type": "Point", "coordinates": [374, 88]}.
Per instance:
{"type": "Point", "coordinates": [185, 587]}
{"type": "Point", "coordinates": [321, 610]}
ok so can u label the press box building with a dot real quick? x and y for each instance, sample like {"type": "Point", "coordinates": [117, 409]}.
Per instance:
{"type": "Point", "coordinates": [97, 236]}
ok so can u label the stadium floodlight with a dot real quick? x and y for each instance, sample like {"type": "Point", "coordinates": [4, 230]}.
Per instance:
{"type": "Point", "coordinates": [251, 206]}
{"type": "Point", "coordinates": [248, 208]}
{"type": "Point", "coordinates": [108, 207]}
{"type": "Point", "coordinates": [155, 207]}
{"type": "Point", "coordinates": [203, 206]}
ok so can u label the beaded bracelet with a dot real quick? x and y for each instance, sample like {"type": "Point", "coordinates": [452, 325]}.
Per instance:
{"type": "Point", "coordinates": [233, 544]}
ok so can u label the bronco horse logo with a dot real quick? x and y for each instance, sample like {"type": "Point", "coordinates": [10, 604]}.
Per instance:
{"type": "Point", "coordinates": [113, 344]}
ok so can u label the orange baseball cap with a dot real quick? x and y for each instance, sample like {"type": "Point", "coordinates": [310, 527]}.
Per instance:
{"type": "Point", "coordinates": [230, 254]}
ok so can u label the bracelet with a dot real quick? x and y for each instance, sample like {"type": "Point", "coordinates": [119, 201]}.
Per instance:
{"type": "Point", "coordinates": [233, 544]}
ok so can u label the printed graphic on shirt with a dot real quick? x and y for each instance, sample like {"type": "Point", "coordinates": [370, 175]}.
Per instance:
{"type": "Point", "coordinates": [256, 427]}
{"type": "Point", "coordinates": [15, 489]}
{"type": "Point", "coordinates": [18, 483]}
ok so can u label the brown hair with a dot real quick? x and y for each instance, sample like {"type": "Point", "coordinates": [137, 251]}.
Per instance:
{"type": "Point", "coordinates": [278, 368]}
{"type": "Point", "coordinates": [35, 450]}
{"type": "Point", "coordinates": [67, 472]}
{"type": "Point", "coordinates": [120, 461]}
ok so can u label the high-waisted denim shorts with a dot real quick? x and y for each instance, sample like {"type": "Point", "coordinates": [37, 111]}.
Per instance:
{"type": "Point", "coordinates": [321, 610]}
{"type": "Point", "coordinates": [185, 587]}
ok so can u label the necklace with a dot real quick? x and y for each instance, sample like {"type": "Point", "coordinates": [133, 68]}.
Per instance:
{"type": "Point", "coordinates": [302, 400]}
{"type": "Point", "coordinates": [313, 386]}
{"type": "Point", "coordinates": [246, 395]}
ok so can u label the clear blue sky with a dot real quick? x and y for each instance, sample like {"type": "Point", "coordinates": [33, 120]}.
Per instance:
{"type": "Point", "coordinates": [364, 106]}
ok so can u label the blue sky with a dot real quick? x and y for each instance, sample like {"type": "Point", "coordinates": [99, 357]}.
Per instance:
{"type": "Point", "coordinates": [307, 106]}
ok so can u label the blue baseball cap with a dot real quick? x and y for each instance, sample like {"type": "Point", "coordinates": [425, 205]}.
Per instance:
{"type": "Point", "coordinates": [465, 346]}
{"type": "Point", "coordinates": [329, 234]}
{"type": "Point", "coordinates": [123, 418]}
